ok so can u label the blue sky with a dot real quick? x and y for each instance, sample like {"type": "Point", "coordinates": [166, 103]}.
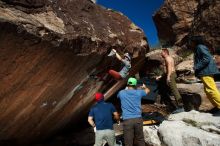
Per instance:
{"type": "Point", "coordinates": [140, 12]}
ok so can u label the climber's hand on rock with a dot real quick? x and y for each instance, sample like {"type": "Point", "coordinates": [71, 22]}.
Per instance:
{"type": "Point", "coordinates": [158, 77]}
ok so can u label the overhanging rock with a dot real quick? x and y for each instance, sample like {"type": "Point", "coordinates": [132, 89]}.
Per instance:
{"type": "Point", "coordinates": [48, 50]}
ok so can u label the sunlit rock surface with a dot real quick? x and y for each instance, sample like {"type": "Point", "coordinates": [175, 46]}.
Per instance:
{"type": "Point", "coordinates": [151, 136]}
{"type": "Point", "coordinates": [187, 128]}
{"type": "Point", "coordinates": [190, 128]}
{"type": "Point", "coordinates": [181, 17]}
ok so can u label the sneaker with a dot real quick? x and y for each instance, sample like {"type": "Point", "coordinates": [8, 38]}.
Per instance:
{"type": "Point", "coordinates": [112, 53]}
{"type": "Point", "coordinates": [213, 110]}
{"type": "Point", "coordinates": [216, 113]}
{"type": "Point", "coordinates": [178, 110]}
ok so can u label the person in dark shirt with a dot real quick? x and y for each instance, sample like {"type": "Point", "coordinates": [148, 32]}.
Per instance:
{"type": "Point", "coordinates": [205, 68]}
{"type": "Point", "coordinates": [100, 117]}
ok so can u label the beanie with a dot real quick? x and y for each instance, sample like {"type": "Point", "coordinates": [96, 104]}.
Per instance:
{"type": "Point", "coordinates": [99, 96]}
{"type": "Point", "coordinates": [127, 56]}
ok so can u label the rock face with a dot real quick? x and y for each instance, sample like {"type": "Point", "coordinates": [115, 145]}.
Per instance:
{"type": "Point", "coordinates": [188, 128]}
{"type": "Point", "coordinates": [48, 50]}
{"type": "Point", "coordinates": [192, 128]}
{"type": "Point", "coordinates": [186, 64]}
{"type": "Point", "coordinates": [194, 96]}
{"type": "Point", "coordinates": [181, 17]}
{"type": "Point", "coordinates": [67, 23]}
{"type": "Point", "coordinates": [150, 136]}
{"type": "Point", "coordinates": [155, 64]}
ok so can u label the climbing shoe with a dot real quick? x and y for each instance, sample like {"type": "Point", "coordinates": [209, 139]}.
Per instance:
{"type": "Point", "coordinates": [178, 110]}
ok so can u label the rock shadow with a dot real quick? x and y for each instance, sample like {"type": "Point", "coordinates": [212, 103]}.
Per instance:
{"type": "Point", "coordinates": [191, 101]}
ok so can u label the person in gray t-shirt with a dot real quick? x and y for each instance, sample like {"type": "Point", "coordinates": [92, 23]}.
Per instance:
{"type": "Point", "coordinates": [125, 70]}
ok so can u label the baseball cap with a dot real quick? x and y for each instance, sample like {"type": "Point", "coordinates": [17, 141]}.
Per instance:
{"type": "Point", "coordinates": [132, 81]}
{"type": "Point", "coordinates": [99, 96]}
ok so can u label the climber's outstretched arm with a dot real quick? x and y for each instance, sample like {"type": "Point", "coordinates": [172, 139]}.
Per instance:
{"type": "Point", "coordinates": [117, 55]}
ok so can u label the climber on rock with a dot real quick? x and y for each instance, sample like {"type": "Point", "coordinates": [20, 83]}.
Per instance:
{"type": "Point", "coordinates": [126, 65]}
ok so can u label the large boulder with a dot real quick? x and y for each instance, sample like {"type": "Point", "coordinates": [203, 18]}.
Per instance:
{"type": "Point", "coordinates": [151, 135]}
{"type": "Point", "coordinates": [181, 17]}
{"type": "Point", "coordinates": [187, 128]}
{"type": "Point", "coordinates": [155, 64]}
{"type": "Point", "coordinates": [69, 23]}
{"type": "Point", "coordinates": [186, 64]}
{"type": "Point", "coordinates": [194, 96]}
{"type": "Point", "coordinates": [49, 49]}
{"type": "Point", "coordinates": [190, 128]}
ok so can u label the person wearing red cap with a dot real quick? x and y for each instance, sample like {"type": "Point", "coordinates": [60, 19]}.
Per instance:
{"type": "Point", "coordinates": [100, 117]}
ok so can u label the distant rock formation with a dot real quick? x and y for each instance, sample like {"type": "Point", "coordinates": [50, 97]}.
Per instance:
{"type": "Point", "coordinates": [49, 49]}
{"type": "Point", "coordinates": [177, 19]}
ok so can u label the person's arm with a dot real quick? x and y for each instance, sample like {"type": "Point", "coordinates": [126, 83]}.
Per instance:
{"type": "Point", "coordinates": [115, 113]}
{"type": "Point", "coordinates": [169, 68]}
{"type": "Point", "coordinates": [117, 55]}
{"type": "Point", "coordinates": [158, 77]}
{"type": "Point", "coordinates": [116, 116]}
{"type": "Point", "coordinates": [91, 122]}
{"type": "Point", "coordinates": [146, 90]}
{"type": "Point", "coordinates": [206, 56]}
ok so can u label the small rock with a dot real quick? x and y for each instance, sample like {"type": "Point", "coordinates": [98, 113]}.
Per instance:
{"type": "Point", "coordinates": [150, 135]}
